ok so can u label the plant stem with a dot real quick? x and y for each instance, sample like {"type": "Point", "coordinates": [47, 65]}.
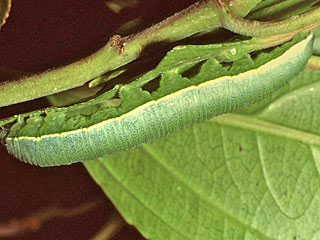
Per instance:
{"type": "Point", "coordinates": [280, 9]}
{"type": "Point", "coordinates": [262, 29]}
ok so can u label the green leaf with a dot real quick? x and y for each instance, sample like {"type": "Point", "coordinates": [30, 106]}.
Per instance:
{"type": "Point", "coordinates": [249, 175]}
{"type": "Point", "coordinates": [176, 63]}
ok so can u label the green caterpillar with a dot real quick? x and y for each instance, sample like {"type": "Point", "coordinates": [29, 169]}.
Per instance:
{"type": "Point", "coordinates": [61, 136]}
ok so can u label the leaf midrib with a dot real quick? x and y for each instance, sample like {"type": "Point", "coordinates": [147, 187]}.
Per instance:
{"type": "Point", "coordinates": [257, 125]}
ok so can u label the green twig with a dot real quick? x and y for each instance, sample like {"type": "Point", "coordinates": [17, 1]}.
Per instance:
{"type": "Point", "coordinates": [262, 29]}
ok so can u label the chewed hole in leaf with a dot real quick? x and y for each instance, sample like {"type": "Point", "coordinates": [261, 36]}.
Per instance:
{"type": "Point", "coordinates": [192, 71]}
{"type": "Point", "coordinates": [152, 85]}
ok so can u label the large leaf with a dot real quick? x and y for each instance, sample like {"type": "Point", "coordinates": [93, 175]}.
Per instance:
{"type": "Point", "coordinates": [249, 175]}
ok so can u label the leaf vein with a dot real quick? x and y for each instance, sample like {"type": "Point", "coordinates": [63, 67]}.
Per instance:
{"type": "Point", "coordinates": [219, 211]}
{"type": "Point", "coordinates": [137, 199]}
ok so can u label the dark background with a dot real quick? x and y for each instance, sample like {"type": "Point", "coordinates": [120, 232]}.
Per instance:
{"type": "Point", "coordinates": [40, 35]}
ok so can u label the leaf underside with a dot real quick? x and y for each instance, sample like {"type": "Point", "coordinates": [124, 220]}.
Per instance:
{"type": "Point", "coordinates": [254, 174]}
{"type": "Point", "coordinates": [247, 175]}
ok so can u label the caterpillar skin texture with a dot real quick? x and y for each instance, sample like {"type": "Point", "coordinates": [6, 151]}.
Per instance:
{"type": "Point", "coordinates": [165, 115]}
